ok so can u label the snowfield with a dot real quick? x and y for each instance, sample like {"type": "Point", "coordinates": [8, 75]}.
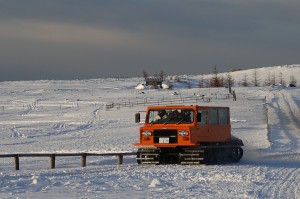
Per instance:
{"type": "Point", "coordinates": [71, 116]}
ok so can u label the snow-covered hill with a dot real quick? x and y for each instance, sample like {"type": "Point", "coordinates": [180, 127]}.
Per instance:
{"type": "Point", "coordinates": [70, 116]}
{"type": "Point", "coordinates": [284, 73]}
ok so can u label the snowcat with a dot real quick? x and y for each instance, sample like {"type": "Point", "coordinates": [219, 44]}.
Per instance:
{"type": "Point", "coordinates": [187, 135]}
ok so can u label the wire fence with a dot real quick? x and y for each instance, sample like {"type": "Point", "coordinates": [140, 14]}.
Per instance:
{"type": "Point", "coordinates": [165, 101]}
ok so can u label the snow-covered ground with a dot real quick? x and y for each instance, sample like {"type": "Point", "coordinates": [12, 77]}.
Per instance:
{"type": "Point", "coordinates": [70, 116]}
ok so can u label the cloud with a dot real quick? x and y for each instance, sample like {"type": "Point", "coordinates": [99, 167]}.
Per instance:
{"type": "Point", "coordinates": [60, 32]}
{"type": "Point", "coordinates": [174, 35]}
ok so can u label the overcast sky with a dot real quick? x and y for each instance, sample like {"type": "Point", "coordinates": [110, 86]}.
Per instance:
{"type": "Point", "coordinates": [83, 39]}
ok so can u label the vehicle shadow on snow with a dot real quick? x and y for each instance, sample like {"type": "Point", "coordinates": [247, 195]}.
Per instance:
{"type": "Point", "coordinates": [112, 161]}
{"type": "Point", "coordinates": [265, 157]}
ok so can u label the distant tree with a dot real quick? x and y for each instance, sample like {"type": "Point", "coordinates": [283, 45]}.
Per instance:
{"type": "Point", "coordinates": [177, 78]}
{"type": "Point", "coordinates": [201, 81]}
{"type": "Point", "coordinates": [293, 80]}
{"type": "Point", "coordinates": [268, 80]}
{"type": "Point", "coordinates": [222, 81]}
{"type": "Point", "coordinates": [281, 79]}
{"type": "Point", "coordinates": [206, 83]}
{"type": "Point", "coordinates": [145, 74]}
{"type": "Point", "coordinates": [255, 79]}
{"type": "Point", "coordinates": [215, 80]}
{"type": "Point", "coordinates": [244, 81]}
{"type": "Point", "coordinates": [229, 81]}
{"type": "Point", "coordinates": [273, 79]}
{"type": "Point", "coordinates": [162, 75]}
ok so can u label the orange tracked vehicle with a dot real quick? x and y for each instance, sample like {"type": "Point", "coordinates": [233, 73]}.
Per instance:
{"type": "Point", "coordinates": [187, 135]}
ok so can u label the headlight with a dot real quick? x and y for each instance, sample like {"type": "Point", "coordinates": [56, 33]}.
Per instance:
{"type": "Point", "coordinates": [183, 133]}
{"type": "Point", "coordinates": [146, 133]}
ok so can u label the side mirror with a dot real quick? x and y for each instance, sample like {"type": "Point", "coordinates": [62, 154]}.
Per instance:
{"type": "Point", "coordinates": [137, 118]}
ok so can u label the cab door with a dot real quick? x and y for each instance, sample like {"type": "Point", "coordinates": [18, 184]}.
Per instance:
{"type": "Point", "coordinates": [200, 131]}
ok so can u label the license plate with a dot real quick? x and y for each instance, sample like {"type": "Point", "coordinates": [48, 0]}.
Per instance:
{"type": "Point", "coordinates": [163, 140]}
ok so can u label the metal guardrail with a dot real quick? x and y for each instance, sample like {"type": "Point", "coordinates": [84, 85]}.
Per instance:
{"type": "Point", "coordinates": [52, 157]}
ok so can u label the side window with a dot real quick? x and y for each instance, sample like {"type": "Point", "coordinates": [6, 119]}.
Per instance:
{"type": "Point", "coordinates": [213, 116]}
{"type": "Point", "coordinates": [201, 117]}
{"type": "Point", "coordinates": [223, 116]}
{"type": "Point", "coordinates": [151, 116]}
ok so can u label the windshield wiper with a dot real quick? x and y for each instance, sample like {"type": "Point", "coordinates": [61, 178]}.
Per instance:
{"type": "Point", "coordinates": [180, 121]}
{"type": "Point", "coordinates": [167, 121]}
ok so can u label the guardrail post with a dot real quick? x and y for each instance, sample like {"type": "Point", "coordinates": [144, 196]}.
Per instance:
{"type": "Point", "coordinates": [120, 159]}
{"type": "Point", "coordinates": [52, 161]}
{"type": "Point", "coordinates": [83, 160]}
{"type": "Point", "coordinates": [17, 162]}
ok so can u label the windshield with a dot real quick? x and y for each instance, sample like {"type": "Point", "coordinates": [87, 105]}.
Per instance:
{"type": "Point", "coordinates": [164, 116]}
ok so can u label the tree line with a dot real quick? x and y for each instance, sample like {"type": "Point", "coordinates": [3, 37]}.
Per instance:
{"type": "Point", "coordinates": [226, 80]}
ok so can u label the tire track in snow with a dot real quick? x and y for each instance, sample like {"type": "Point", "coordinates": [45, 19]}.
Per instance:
{"type": "Point", "coordinates": [285, 140]}
{"type": "Point", "coordinates": [289, 186]}
{"type": "Point", "coordinates": [283, 184]}
{"type": "Point", "coordinates": [293, 108]}
{"type": "Point", "coordinates": [284, 127]}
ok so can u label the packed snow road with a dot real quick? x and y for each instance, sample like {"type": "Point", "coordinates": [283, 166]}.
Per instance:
{"type": "Point", "coordinates": [285, 123]}
{"type": "Point", "coordinates": [61, 118]}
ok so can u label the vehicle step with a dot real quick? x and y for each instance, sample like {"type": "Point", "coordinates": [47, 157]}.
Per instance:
{"type": "Point", "coordinates": [194, 159]}
{"type": "Point", "coordinates": [145, 158]}
{"type": "Point", "coordinates": [195, 154]}
{"type": "Point", "coordinates": [189, 163]}
{"type": "Point", "coordinates": [148, 150]}
{"type": "Point", "coordinates": [150, 162]}
{"type": "Point", "coordinates": [149, 154]}
{"type": "Point", "coordinates": [194, 151]}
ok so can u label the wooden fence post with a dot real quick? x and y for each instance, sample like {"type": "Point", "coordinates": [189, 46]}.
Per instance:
{"type": "Point", "coordinates": [17, 162]}
{"type": "Point", "coordinates": [120, 159]}
{"type": "Point", "coordinates": [83, 160]}
{"type": "Point", "coordinates": [234, 95]}
{"type": "Point", "coordinates": [52, 161]}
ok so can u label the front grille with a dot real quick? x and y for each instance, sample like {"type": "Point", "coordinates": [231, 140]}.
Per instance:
{"type": "Point", "coordinates": [171, 134]}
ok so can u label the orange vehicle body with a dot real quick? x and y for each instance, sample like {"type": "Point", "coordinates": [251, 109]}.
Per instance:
{"type": "Point", "coordinates": [206, 131]}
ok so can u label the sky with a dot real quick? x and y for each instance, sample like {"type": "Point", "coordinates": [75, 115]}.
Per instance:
{"type": "Point", "coordinates": [75, 39]}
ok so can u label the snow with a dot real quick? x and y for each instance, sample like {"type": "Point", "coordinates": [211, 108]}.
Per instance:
{"type": "Point", "coordinates": [165, 86]}
{"type": "Point", "coordinates": [140, 87]}
{"type": "Point", "coordinates": [70, 116]}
